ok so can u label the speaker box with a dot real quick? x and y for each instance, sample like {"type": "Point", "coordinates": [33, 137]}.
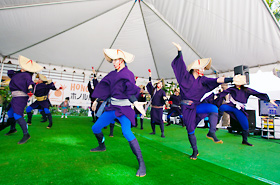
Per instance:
{"type": "Point", "coordinates": [234, 124]}
{"type": "Point", "coordinates": [243, 70]}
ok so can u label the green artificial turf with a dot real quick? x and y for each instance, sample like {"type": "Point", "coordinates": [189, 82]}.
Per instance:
{"type": "Point", "coordinates": [61, 155]}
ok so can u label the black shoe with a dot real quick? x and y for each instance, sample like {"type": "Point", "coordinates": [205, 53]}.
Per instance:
{"type": "Point", "coordinates": [213, 137]}
{"type": "Point", "coordinates": [141, 128]}
{"type": "Point", "coordinates": [246, 143]}
{"type": "Point", "coordinates": [45, 120]}
{"type": "Point", "coordinates": [98, 149]}
{"type": "Point", "coordinates": [24, 139]}
{"type": "Point", "coordinates": [168, 124]}
{"type": "Point", "coordinates": [162, 135]}
{"type": "Point", "coordinates": [194, 155]}
{"type": "Point", "coordinates": [153, 133]}
{"type": "Point", "coordinates": [11, 132]}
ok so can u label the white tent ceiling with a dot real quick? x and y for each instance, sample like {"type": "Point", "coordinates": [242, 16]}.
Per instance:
{"type": "Point", "coordinates": [73, 33]}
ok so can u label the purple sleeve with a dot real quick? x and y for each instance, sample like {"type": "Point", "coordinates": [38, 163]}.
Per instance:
{"type": "Point", "coordinates": [262, 96]}
{"type": "Point", "coordinates": [29, 81]}
{"type": "Point", "coordinates": [210, 83]}
{"type": "Point", "coordinates": [51, 86]}
{"type": "Point", "coordinates": [150, 88]}
{"type": "Point", "coordinates": [220, 97]}
{"type": "Point", "coordinates": [102, 90]}
{"type": "Point", "coordinates": [179, 68]}
{"type": "Point", "coordinates": [132, 89]}
{"type": "Point", "coordinates": [10, 73]}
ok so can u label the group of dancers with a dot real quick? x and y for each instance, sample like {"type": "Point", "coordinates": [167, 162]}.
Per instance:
{"type": "Point", "coordinates": [113, 96]}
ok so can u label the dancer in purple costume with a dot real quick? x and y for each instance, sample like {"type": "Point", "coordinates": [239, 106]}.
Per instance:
{"type": "Point", "coordinates": [21, 86]}
{"type": "Point", "coordinates": [175, 109]}
{"type": "Point", "coordinates": [235, 107]}
{"type": "Point", "coordinates": [193, 85]}
{"type": "Point", "coordinates": [96, 103]}
{"type": "Point", "coordinates": [41, 92]}
{"type": "Point", "coordinates": [158, 99]}
{"type": "Point", "coordinates": [119, 86]}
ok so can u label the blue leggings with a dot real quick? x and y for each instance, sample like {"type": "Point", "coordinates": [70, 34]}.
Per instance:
{"type": "Point", "coordinates": [206, 108]}
{"type": "Point", "coordinates": [29, 109]}
{"type": "Point", "coordinates": [241, 117]}
{"type": "Point", "coordinates": [108, 117]}
{"type": "Point", "coordinates": [169, 115]}
{"type": "Point", "coordinates": [11, 114]}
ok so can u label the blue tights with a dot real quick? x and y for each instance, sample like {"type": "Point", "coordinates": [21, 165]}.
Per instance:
{"type": "Point", "coordinates": [107, 117]}
{"type": "Point", "coordinates": [11, 114]}
{"type": "Point", "coordinates": [211, 110]}
{"type": "Point", "coordinates": [29, 109]}
{"type": "Point", "coordinates": [241, 117]}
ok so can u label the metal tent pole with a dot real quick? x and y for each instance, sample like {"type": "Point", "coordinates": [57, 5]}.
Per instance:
{"type": "Point", "coordinates": [116, 36]}
{"type": "Point", "coordinates": [67, 29]}
{"type": "Point", "coordinates": [271, 13]}
{"type": "Point", "coordinates": [41, 4]}
{"type": "Point", "coordinates": [179, 35]}
{"type": "Point", "coordinates": [149, 40]}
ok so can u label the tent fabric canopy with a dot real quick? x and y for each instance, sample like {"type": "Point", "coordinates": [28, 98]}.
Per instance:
{"type": "Point", "coordinates": [74, 33]}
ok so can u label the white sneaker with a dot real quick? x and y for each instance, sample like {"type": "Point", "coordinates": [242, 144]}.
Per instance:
{"type": "Point", "coordinates": [65, 116]}
{"type": "Point", "coordinates": [62, 116]}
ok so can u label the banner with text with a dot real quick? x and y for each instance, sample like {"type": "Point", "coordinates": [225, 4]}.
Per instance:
{"type": "Point", "coordinates": [76, 91]}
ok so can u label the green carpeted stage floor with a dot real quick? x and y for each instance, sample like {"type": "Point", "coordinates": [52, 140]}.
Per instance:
{"type": "Point", "coordinates": [61, 155]}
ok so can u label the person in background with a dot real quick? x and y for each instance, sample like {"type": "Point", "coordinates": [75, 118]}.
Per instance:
{"type": "Point", "coordinates": [174, 102]}
{"type": "Point", "coordinates": [21, 86]}
{"type": "Point", "coordinates": [90, 90]}
{"type": "Point", "coordinates": [141, 98]}
{"type": "Point", "coordinates": [119, 87]}
{"type": "Point", "coordinates": [65, 107]}
{"type": "Point", "coordinates": [158, 100]}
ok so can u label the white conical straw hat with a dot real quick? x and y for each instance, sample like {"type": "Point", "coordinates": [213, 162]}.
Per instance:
{"type": "Point", "coordinates": [29, 65]}
{"type": "Point", "coordinates": [201, 63]}
{"type": "Point", "coordinates": [112, 54]}
{"type": "Point", "coordinates": [239, 80]}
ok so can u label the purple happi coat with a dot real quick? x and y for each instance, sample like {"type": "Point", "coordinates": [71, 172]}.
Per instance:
{"type": "Point", "coordinates": [42, 89]}
{"type": "Point", "coordinates": [241, 95]}
{"type": "Point", "coordinates": [191, 89]}
{"type": "Point", "coordinates": [119, 85]}
{"type": "Point", "coordinates": [157, 100]}
{"type": "Point", "coordinates": [20, 81]}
